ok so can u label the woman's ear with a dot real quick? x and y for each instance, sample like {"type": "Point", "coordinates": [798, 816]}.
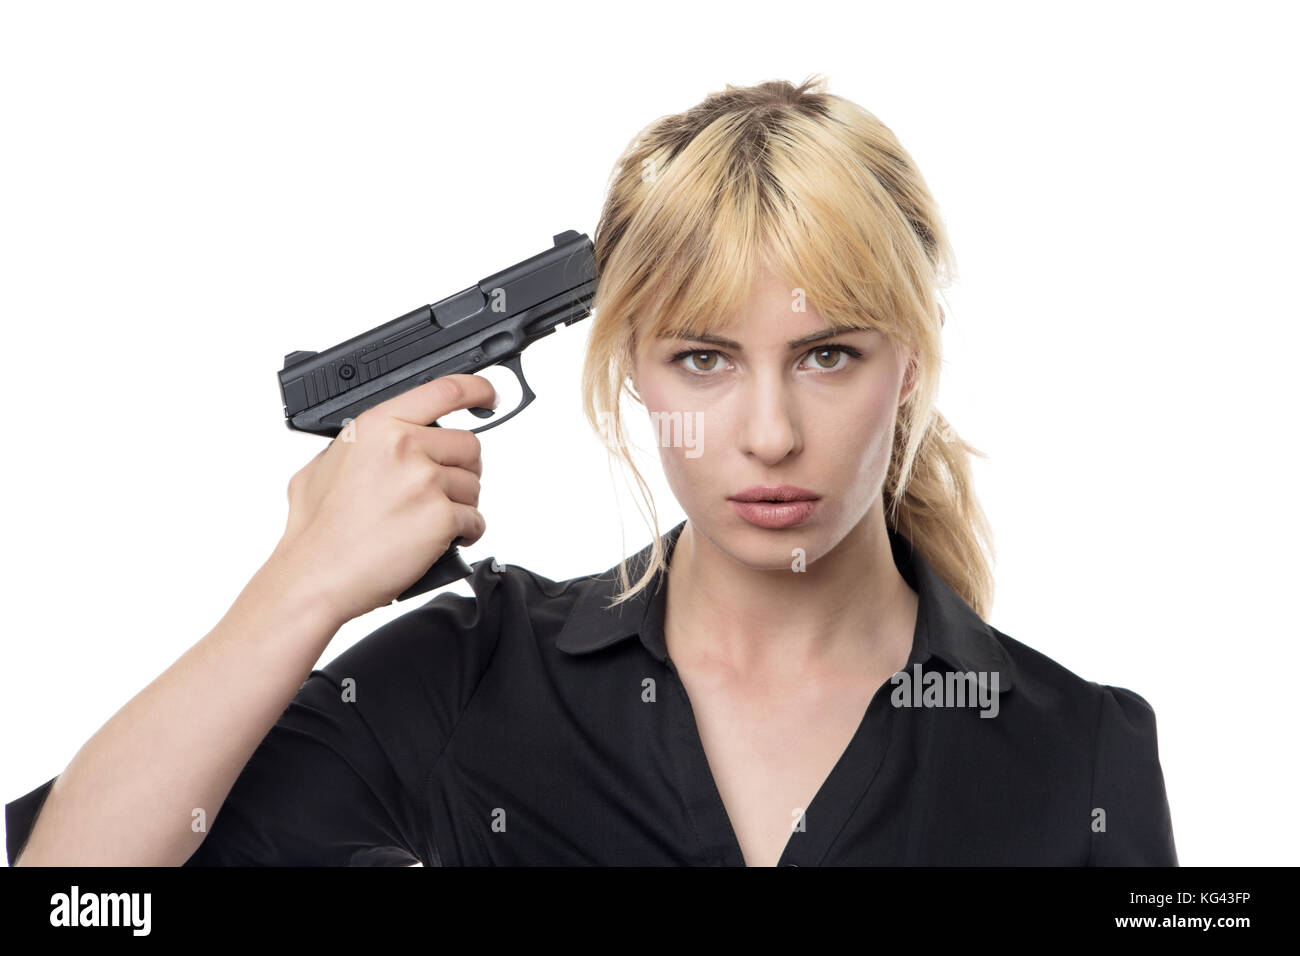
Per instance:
{"type": "Point", "coordinates": [909, 380]}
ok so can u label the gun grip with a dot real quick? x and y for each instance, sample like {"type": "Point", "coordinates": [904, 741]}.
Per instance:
{"type": "Point", "coordinates": [450, 567]}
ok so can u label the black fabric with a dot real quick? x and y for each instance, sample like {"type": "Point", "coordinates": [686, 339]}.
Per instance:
{"type": "Point", "coordinates": [514, 728]}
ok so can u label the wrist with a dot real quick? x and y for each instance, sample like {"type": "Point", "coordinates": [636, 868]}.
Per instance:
{"type": "Point", "coordinates": [300, 592]}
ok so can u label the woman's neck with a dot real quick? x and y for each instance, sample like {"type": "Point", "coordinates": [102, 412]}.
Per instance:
{"type": "Point", "coordinates": [850, 606]}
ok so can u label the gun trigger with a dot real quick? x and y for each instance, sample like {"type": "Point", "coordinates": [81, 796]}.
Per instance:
{"type": "Point", "coordinates": [515, 365]}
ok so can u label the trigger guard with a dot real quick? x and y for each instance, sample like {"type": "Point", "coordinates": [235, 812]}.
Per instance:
{"type": "Point", "coordinates": [515, 365]}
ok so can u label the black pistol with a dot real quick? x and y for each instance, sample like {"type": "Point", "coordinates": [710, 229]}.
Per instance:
{"type": "Point", "coordinates": [490, 323]}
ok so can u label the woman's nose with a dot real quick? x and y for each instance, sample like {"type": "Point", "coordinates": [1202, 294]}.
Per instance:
{"type": "Point", "coordinates": [770, 422]}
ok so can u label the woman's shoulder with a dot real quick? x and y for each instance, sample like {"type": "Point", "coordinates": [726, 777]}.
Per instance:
{"type": "Point", "coordinates": [567, 615]}
{"type": "Point", "coordinates": [504, 602]}
{"type": "Point", "coordinates": [1103, 737]}
{"type": "Point", "coordinates": [1049, 680]}
{"type": "Point", "coordinates": [1106, 718]}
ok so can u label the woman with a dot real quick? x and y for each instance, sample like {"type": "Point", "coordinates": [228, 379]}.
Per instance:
{"type": "Point", "coordinates": [811, 681]}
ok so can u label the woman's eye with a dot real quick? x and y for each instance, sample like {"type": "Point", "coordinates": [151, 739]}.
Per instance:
{"type": "Point", "coordinates": [703, 367]}
{"type": "Point", "coordinates": [828, 359]}
{"type": "Point", "coordinates": [825, 359]}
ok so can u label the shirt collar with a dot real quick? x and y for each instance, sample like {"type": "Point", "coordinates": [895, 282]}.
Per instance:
{"type": "Point", "coordinates": [947, 627]}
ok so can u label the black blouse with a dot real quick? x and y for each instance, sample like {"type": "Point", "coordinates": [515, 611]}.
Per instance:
{"type": "Point", "coordinates": [524, 726]}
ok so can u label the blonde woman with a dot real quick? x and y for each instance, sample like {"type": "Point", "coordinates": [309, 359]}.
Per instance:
{"type": "Point", "coordinates": [799, 673]}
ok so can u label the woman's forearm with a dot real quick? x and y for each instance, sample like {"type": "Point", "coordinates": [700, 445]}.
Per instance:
{"type": "Point", "coordinates": [130, 795]}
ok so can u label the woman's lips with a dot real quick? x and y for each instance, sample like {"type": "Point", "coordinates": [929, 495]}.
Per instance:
{"type": "Point", "coordinates": [769, 514]}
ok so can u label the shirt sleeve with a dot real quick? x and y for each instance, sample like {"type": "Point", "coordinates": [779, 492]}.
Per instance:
{"type": "Point", "coordinates": [319, 790]}
{"type": "Point", "coordinates": [340, 778]}
{"type": "Point", "coordinates": [1129, 785]}
{"type": "Point", "coordinates": [20, 817]}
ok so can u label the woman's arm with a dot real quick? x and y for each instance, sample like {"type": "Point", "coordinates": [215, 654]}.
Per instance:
{"type": "Point", "coordinates": [367, 516]}
{"type": "Point", "coordinates": [129, 796]}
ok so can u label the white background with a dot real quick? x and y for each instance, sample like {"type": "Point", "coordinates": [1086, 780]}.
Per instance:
{"type": "Point", "coordinates": [192, 191]}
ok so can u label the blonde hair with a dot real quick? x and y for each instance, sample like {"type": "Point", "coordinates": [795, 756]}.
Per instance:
{"type": "Point", "coordinates": [816, 187]}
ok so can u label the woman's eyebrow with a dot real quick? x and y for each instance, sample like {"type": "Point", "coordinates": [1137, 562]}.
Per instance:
{"type": "Point", "coordinates": [796, 343]}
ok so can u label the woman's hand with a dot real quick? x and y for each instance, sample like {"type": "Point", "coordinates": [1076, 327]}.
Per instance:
{"type": "Point", "coordinates": [386, 498]}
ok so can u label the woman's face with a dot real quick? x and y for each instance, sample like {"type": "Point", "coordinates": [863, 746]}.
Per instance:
{"type": "Point", "coordinates": [758, 410]}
